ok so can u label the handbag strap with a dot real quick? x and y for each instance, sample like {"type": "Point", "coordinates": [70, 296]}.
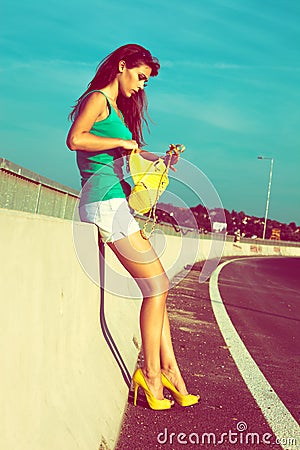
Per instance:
{"type": "Point", "coordinates": [173, 150]}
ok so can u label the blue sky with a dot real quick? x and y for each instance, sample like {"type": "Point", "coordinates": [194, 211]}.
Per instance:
{"type": "Point", "coordinates": [228, 88]}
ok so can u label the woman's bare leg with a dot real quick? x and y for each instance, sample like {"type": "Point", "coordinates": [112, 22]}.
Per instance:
{"type": "Point", "coordinates": [139, 258]}
{"type": "Point", "coordinates": [169, 365]}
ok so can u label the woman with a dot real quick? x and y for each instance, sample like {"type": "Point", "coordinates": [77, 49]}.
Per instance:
{"type": "Point", "coordinates": [107, 124]}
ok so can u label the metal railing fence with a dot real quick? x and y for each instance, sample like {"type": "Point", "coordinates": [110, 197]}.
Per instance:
{"type": "Point", "coordinates": [23, 190]}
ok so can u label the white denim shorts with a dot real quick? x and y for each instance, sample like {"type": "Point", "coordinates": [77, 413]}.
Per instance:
{"type": "Point", "coordinates": [112, 217]}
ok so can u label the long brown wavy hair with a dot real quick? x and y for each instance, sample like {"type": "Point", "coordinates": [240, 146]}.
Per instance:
{"type": "Point", "coordinates": [135, 108]}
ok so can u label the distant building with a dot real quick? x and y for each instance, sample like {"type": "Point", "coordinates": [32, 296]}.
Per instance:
{"type": "Point", "coordinates": [219, 227]}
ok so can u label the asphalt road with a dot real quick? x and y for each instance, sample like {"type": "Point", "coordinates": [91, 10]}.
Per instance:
{"type": "Point", "coordinates": [262, 298]}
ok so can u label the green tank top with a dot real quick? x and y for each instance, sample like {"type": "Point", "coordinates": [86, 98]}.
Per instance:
{"type": "Point", "coordinates": [102, 171]}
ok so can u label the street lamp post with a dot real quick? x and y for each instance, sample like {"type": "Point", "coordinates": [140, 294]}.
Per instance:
{"type": "Point", "coordinates": [269, 192]}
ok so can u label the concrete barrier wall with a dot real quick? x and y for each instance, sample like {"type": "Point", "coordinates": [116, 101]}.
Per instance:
{"type": "Point", "coordinates": [60, 385]}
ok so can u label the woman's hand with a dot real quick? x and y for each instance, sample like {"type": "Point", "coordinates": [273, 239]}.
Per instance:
{"type": "Point", "coordinates": [129, 145]}
{"type": "Point", "coordinates": [174, 160]}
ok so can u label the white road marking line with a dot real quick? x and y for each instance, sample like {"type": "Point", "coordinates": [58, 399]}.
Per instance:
{"type": "Point", "coordinates": [277, 415]}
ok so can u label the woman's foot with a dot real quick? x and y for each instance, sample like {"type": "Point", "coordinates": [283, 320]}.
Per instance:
{"type": "Point", "coordinates": [153, 380]}
{"type": "Point", "coordinates": [154, 396]}
{"type": "Point", "coordinates": [174, 376]}
{"type": "Point", "coordinates": [173, 381]}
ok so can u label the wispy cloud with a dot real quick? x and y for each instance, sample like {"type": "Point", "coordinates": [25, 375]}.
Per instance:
{"type": "Point", "coordinates": [201, 65]}
{"type": "Point", "coordinates": [41, 74]}
{"type": "Point", "coordinates": [215, 112]}
{"type": "Point", "coordinates": [9, 64]}
{"type": "Point", "coordinates": [222, 66]}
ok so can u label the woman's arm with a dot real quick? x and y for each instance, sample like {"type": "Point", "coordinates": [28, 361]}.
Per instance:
{"type": "Point", "coordinates": [149, 156]}
{"type": "Point", "coordinates": [79, 137]}
{"type": "Point", "coordinates": [152, 157]}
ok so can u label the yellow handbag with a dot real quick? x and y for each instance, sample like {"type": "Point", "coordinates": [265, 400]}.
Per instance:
{"type": "Point", "coordinates": [150, 181]}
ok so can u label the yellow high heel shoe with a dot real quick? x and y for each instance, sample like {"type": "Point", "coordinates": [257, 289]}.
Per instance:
{"type": "Point", "coordinates": [182, 400]}
{"type": "Point", "coordinates": [139, 381]}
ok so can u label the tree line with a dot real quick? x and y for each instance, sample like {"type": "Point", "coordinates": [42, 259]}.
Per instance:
{"type": "Point", "coordinates": [199, 217]}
